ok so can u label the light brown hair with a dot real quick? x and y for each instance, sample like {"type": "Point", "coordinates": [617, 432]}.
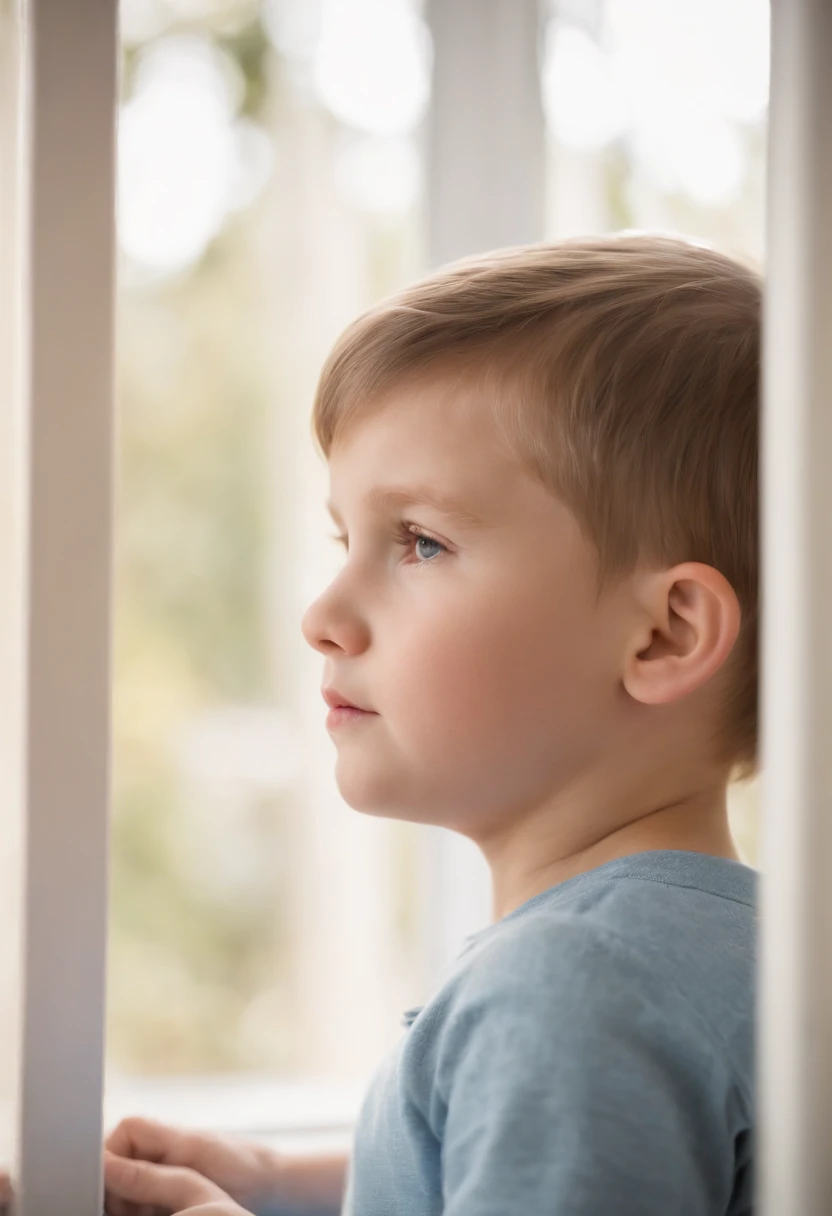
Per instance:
{"type": "Point", "coordinates": [624, 372]}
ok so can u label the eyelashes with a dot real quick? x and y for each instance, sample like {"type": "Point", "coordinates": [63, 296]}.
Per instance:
{"type": "Point", "coordinates": [410, 534]}
{"type": "Point", "coordinates": [407, 534]}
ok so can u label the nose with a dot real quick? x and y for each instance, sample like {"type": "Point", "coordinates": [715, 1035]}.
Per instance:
{"type": "Point", "coordinates": [332, 623]}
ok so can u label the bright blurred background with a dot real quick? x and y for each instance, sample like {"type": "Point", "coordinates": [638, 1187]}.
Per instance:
{"type": "Point", "coordinates": [265, 938]}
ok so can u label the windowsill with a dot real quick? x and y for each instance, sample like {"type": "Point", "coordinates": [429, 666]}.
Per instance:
{"type": "Point", "coordinates": [299, 1117]}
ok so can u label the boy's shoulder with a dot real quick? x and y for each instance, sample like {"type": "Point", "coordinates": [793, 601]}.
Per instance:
{"type": "Point", "coordinates": [665, 939]}
{"type": "Point", "coordinates": [594, 1049]}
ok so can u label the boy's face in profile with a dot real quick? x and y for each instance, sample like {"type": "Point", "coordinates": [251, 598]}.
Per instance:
{"type": "Point", "coordinates": [492, 672]}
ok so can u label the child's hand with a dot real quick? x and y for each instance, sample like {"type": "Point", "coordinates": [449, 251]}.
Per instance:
{"type": "Point", "coordinates": [143, 1187]}
{"type": "Point", "coordinates": [245, 1172]}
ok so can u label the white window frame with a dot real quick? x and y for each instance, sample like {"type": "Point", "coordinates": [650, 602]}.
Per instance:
{"type": "Point", "coordinates": [11, 567]}
{"type": "Point", "coordinates": [795, 1056]}
{"type": "Point", "coordinates": [64, 407]}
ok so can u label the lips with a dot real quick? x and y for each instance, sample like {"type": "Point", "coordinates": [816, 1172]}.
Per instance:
{"type": "Point", "coordinates": [343, 711]}
{"type": "Point", "coordinates": [337, 700]}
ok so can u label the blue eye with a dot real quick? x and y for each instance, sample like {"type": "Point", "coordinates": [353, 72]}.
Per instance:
{"type": "Point", "coordinates": [427, 540]}
{"type": "Point", "coordinates": [410, 533]}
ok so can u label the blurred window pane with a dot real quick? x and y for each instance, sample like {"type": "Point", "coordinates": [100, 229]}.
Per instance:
{"type": "Point", "coordinates": [270, 189]}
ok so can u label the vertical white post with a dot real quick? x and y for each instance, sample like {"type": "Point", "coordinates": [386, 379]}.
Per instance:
{"type": "Point", "coordinates": [485, 189]}
{"type": "Point", "coordinates": [11, 559]}
{"type": "Point", "coordinates": [795, 1159]}
{"type": "Point", "coordinates": [486, 135]}
{"type": "Point", "coordinates": [70, 78]}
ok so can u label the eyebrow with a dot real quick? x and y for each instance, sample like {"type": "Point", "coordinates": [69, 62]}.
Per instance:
{"type": "Point", "coordinates": [387, 498]}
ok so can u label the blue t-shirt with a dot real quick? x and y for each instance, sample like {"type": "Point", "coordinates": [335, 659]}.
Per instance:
{"type": "Point", "coordinates": [590, 1053]}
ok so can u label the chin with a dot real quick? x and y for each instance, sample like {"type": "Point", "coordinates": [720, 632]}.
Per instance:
{"type": "Point", "coordinates": [374, 795]}
{"type": "Point", "coordinates": [361, 791]}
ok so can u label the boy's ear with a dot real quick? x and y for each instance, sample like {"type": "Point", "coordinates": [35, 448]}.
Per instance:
{"type": "Point", "coordinates": [690, 619]}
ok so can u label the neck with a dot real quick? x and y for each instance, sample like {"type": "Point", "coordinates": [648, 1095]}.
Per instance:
{"type": "Point", "coordinates": [551, 845]}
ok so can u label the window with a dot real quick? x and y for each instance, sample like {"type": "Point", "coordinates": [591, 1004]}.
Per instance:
{"type": "Point", "coordinates": [274, 180]}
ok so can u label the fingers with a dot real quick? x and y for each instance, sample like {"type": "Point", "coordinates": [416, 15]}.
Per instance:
{"type": "Point", "coordinates": [165, 1186]}
{"type": "Point", "coordinates": [228, 1208]}
{"type": "Point", "coordinates": [146, 1139]}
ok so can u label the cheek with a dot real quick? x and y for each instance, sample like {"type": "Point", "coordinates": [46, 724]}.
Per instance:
{"type": "Point", "coordinates": [521, 664]}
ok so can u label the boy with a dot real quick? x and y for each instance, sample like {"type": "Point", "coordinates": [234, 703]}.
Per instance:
{"type": "Point", "coordinates": [543, 465]}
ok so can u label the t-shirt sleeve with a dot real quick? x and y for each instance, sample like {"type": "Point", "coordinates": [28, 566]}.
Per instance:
{"type": "Point", "coordinates": [566, 1084]}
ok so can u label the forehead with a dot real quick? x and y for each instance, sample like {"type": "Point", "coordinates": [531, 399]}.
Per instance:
{"type": "Point", "coordinates": [435, 430]}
